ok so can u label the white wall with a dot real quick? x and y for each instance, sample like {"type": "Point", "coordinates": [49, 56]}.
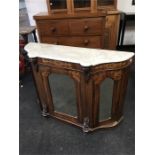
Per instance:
{"type": "Point", "coordinates": [127, 7]}
{"type": "Point", "coordinates": [21, 5]}
{"type": "Point", "coordinates": [34, 7]}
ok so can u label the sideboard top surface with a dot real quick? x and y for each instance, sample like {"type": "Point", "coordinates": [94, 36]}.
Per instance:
{"type": "Point", "coordinates": [84, 56]}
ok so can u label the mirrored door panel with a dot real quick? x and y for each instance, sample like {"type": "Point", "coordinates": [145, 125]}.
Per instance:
{"type": "Point", "coordinates": [105, 2]}
{"type": "Point", "coordinates": [58, 4]}
{"type": "Point", "coordinates": [106, 93]}
{"type": "Point", "coordinates": [81, 3]}
{"type": "Point", "coordinates": [63, 93]}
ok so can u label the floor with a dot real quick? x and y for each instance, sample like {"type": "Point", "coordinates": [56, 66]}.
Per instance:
{"type": "Point", "coordinates": [47, 136]}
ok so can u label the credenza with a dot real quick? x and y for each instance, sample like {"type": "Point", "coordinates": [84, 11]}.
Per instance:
{"type": "Point", "coordinates": [87, 69]}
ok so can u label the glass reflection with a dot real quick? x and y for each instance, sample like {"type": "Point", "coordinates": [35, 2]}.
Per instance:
{"type": "Point", "coordinates": [63, 93]}
{"type": "Point", "coordinates": [81, 3]}
{"type": "Point", "coordinates": [105, 2]}
{"type": "Point", "coordinates": [58, 4]}
{"type": "Point", "coordinates": [106, 93]}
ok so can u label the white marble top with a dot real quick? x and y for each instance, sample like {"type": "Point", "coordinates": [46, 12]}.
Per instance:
{"type": "Point", "coordinates": [83, 56]}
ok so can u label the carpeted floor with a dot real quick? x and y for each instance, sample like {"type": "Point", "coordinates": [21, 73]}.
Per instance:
{"type": "Point", "coordinates": [47, 136]}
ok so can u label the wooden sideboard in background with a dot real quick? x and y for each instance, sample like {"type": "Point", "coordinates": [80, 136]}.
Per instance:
{"type": "Point", "coordinates": [95, 25]}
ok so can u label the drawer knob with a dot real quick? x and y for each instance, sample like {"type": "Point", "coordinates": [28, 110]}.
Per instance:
{"type": "Point", "coordinates": [53, 29]}
{"type": "Point", "coordinates": [86, 28]}
{"type": "Point", "coordinates": [86, 42]}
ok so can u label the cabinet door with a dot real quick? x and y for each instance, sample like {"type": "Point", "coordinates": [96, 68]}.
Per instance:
{"type": "Point", "coordinates": [58, 4]}
{"type": "Point", "coordinates": [81, 3]}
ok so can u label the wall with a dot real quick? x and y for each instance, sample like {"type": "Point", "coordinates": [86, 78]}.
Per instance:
{"type": "Point", "coordinates": [126, 6]}
{"type": "Point", "coordinates": [21, 5]}
{"type": "Point", "coordinates": [34, 7]}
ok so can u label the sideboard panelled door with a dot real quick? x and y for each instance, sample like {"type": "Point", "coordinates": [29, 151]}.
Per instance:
{"type": "Point", "coordinates": [61, 94]}
{"type": "Point", "coordinates": [55, 6]}
{"type": "Point", "coordinates": [120, 88]}
{"type": "Point", "coordinates": [109, 92]}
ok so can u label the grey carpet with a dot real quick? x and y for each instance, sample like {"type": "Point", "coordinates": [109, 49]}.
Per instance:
{"type": "Point", "coordinates": [42, 136]}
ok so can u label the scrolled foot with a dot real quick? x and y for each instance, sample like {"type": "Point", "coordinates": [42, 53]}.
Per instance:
{"type": "Point", "coordinates": [44, 114]}
{"type": "Point", "coordinates": [44, 111]}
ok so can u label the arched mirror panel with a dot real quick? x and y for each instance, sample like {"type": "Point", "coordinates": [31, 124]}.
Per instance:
{"type": "Point", "coordinates": [106, 93]}
{"type": "Point", "coordinates": [63, 93]}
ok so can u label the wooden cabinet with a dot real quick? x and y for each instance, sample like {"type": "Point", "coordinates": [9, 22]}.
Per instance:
{"type": "Point", "coordinates": [87, 23]}
{"type": "Point", "coordinates": [78, 87]}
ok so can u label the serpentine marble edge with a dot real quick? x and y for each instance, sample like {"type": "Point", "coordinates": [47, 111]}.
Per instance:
{"type": "Point", "coordinates": [83, 56]}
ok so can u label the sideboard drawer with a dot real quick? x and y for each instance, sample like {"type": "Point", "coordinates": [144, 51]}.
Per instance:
{"type": "Point", "coordinates": [54, 27]}
{"type": "Point", "coordinates": [92, 26]}
{"type": "Point", "coordinates": [50, 40]}
{"type": "Point", "coordinates": [90, 42]}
